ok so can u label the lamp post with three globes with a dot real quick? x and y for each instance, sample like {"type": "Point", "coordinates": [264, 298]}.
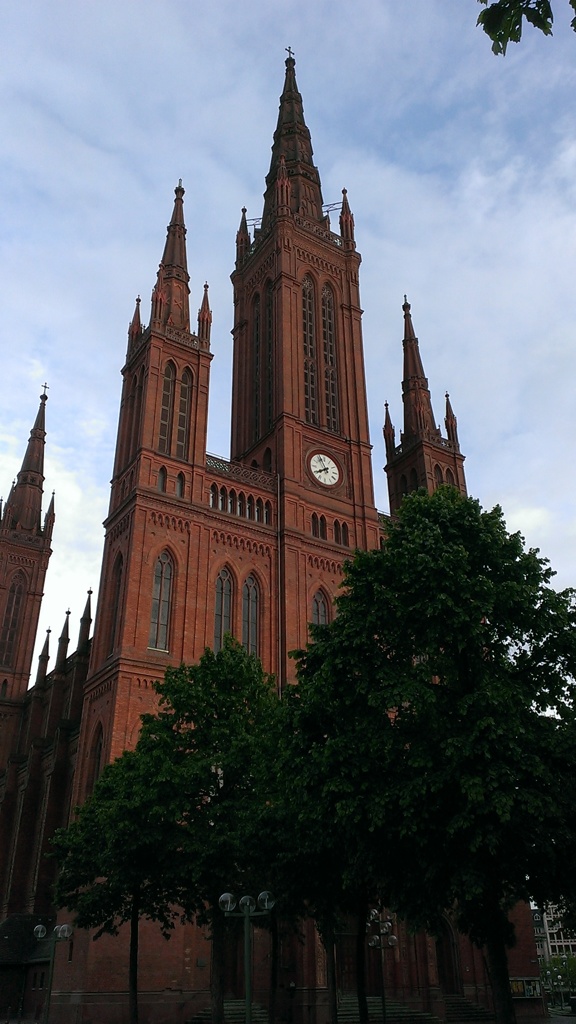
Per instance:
{"type": "Point", "coordinates": [247, 909]}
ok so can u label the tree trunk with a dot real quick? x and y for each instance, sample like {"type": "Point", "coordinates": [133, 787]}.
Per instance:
{"type": "Point", "coordinates": [218, 931]}
{"type": "Point", "coordinates": [329, 940]}
{"type": "Point", "coordinates": [361, 961]}
{"type": "Point", "coordinates": [133, 961]}
{"type": "Point", "coordinates": [497, 962]}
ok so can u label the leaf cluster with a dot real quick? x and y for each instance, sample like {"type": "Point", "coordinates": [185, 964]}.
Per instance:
{"type": "Point", "coordinates": [502, 20]}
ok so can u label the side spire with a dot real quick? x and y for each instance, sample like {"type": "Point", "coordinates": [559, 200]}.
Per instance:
{"type": "Point", "coordinates": [418, 414]}
{"type": "Point", "coordinates": [23, 508]}
{"type": "Point", "coordinates": [293, 143]}
{"type": "Point", "coordinates": [170, 298]}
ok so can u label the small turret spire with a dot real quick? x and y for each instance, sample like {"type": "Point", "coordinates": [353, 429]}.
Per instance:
{"type": "Point", "coordinates": [24, 505]}
{"type": "Point", "coordinates": [242, 239]}
{"type": "Point", "coordinates": [389, 434]}
{"type": "Point", "coordinates": [346, 220]}
{"type": "Point", "coordinates": [205, 319]}
{"type": "Point", "coordinates": [451, 424]}
{"type": "Point", "coordinates": [135, 328]}
{"type": "Point", "coordinates": [63, 642]}
{"type": "Point", "coordinates": [282, 189]}
{"type": "Point", "coordinates": [43, 659]}
{"type": "Point", "coordinates": [85, 623]}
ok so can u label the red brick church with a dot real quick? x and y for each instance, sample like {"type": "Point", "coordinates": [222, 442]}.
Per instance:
{"type": "Point", "coordinates": [197, 546]}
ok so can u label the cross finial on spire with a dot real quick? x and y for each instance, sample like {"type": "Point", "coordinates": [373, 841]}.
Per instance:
{"type": "Point", "coordinates": [290, 52]}
{"type": "Point", "coordinates": [44, 395]}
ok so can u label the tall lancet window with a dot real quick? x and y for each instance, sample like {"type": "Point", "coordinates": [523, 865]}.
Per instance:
{"type": "Point", "coordinates": [223, 609]}
{"type": "Point", "coordinates": [267, 394]}
{"type": "Point", "coordinates": [330, 371]}
{"type": "Point", "coordinates": [309, 340]}
{"type": "Point", "coordinates": [11, 622]}
{"type": "Point", "coordinates": [167, 409]}
{"type": "Point", "coordinates": [161, 600]}
{"type": "Point", "coordinates": [183, 425]}
{"type": "Point", "coordinates": [250, 615]}
{"type": "Point", "coordinates": [319, 609]}
{"type": "Point", "coordinates": [257, 365]}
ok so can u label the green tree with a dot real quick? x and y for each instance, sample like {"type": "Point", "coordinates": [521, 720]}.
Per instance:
{"type": "Point", "coordinates": [173, 823]}
{"type": "Point", "coordinates": [215, 730]}
{"type": "Point", "coordinates": [455, 642]}
{"type": "Point", "coordinates": [503, 20]}
{"type": "Point", "coordinates": [120, 859]}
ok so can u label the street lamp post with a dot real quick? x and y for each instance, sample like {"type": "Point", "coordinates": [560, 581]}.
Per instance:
{"type": "Point", "coordinates": [247, 910]}
{"type": "Point", "coordinates": [61, 933]}
{"type": "Point", "coordinates": [382, 939]}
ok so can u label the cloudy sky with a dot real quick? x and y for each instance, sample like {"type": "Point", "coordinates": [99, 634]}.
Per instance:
{"type": "Point", "coordinates": [461, 173]}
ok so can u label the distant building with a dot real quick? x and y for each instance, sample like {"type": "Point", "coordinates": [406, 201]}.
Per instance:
{"type": "Point", "coordinates": [552, 938]}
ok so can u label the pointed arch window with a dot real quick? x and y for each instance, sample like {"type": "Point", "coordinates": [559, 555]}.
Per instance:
{"type": "Point", "coordinates": [95, 759]}
{"type": "Point", "coordinates": [161, 601]}
{"type": "Point", "coordinates": [438, 477]}
{"type": "Point", "coordinates": [413, 480]}
{"type": "Point", "coordinates": [183, 425]}
{"type": "Point", "coordinates": [180, 483]}
{"type": "Point", "coordinates": [329, 352]}
{"type": "Point", "coordinates": [309, 342]}
{"type": "Point", "coordinates": [223, 610]}
{"type": "Point", "coordinates": [450, 478]}
{"type": "Point", "coordinates": [167, 409]}
{"type": "Point", "coordinates": [319, 609]}
{"type": "Point", "coordinates": [267, 391]}
{"type": "Point", "coordinates": [213, 496]}
{"type": "Point", "coordinates": [250, 602]}
{"type": "Point", "coordinates": [162, 476]}
{"type": "Point", "coordinates": [115, 604]}
{"type": "Point", "coordinates": [315, 525]}
{"type": "Point", "coordinates": [257, 358]}
{"type": "Point", "coordinates": [10, 625]}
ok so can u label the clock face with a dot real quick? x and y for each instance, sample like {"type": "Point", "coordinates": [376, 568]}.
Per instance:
{"type": "Point", "coordinates": [324, 469]}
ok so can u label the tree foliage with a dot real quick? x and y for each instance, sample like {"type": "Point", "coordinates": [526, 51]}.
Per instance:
{"type": "Point", "coordinates": [441, 702]}
{"type": "Point", "coordinates": [503, 20]}
{"type": "Point", "coordinates": [173, 822]}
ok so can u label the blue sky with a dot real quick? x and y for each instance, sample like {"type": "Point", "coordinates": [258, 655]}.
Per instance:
{"type": "Point", "coordinates": [461, 173]}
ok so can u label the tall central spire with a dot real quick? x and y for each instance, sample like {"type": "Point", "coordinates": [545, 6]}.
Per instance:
{"type": "Point", "coordinates": [292, 147]}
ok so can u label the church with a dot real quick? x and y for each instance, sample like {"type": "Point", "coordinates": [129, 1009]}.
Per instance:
{"type": "Point", "coordinates": [197, 546]}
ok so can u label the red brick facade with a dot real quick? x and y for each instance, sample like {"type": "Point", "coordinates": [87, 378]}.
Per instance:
{"type": "Point", "coordinates": [196, 546]}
